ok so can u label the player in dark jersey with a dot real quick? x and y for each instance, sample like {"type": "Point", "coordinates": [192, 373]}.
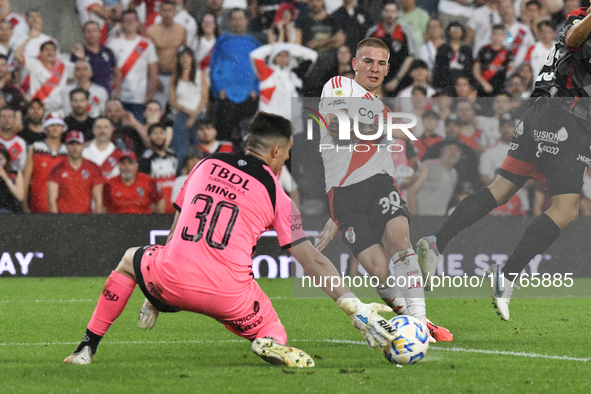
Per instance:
{"type": "Point", "coordinates": [550, 144]}
{"type": "Point", "coordinates": [226, 204]}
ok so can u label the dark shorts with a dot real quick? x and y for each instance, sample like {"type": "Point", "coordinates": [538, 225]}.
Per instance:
{"type": "Point", "coordinates": [361, 211]}
{"type": "Point", "coordinates": [549, 145]}
{"type": "Point", "coordinates": [137, 268]}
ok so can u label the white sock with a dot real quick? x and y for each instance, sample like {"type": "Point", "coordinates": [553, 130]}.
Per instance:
{"type": "Point", "coordinates": [394, 297]}
{"type": "Point", "coordinates": [509, 287]}
{"type": "Point", "coordinates": [406, 267]}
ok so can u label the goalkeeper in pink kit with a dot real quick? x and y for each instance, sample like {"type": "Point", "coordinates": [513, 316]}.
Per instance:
{"type": "Point", "coordinates": [225, 205]}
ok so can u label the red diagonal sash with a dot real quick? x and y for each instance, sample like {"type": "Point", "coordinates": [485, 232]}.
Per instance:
{"type": "Point", "coordinates": [495, 65]}
{"type": "Point", "coordinates": [110, 162]}
{"type": "Point", "coordinates": [517, 42]}
{"type": "Point", "coordinates": [133, 58]}
{"type": "Point", "coordinates": [57, 73]}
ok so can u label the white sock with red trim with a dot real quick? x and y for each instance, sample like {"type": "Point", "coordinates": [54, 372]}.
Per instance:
{"type": "Point", "coordinates": [393, 296]}
{"type": "Point", "coordinates": [409, 278]}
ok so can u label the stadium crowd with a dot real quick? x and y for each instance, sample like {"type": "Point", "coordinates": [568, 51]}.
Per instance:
{"type": "Point", "coordinates": [117, 124]}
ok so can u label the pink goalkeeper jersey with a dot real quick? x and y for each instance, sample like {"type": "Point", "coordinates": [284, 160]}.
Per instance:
{"type": "Point", "coordinates": [226, 204]}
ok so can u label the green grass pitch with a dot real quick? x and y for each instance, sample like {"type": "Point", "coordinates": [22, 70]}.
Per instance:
{"type": "Point", "coordinates": [544, 348]}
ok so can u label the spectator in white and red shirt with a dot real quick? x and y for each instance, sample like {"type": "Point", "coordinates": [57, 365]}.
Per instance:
{"type": "Point", "coordinates": [278, 82]}
{"type": "Point", "coordinates": [16, 146]}
{"type": "Point", "coordinates": [94, 10]}
{"type": "Point", "coordinates": [98, 95]}
{"type": "Point", "coordinates": [34, 35]}
{"type": "Point", "coordinates": [17, 21]}
{"type": "Point", "coordinates": [519, 37]}
{"type": "Point", "coordinates": [101, 151]}
{"type": "Point", "coordinates": [207, 34]}
{"type": "Point", "coordinates": [138, 62]}
{"type": "Point", "coordinates": [151, 6]}
{"type": "Point", "coordinates": [47, 75]}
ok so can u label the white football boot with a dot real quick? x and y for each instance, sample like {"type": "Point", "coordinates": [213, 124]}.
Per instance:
{"type": "Point", "coordinates": [502, 290]}
{"type": "Point", "coordinates": [428, 259]}
{"type": "Point", "coordinates": [148, 315]}
{"type": "Point", "coordinates": [275, 353]}
{"type": "Point", "coordinates": [84, 356]}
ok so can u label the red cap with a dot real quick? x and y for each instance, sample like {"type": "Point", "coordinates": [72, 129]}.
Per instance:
{"type": "Point", "coordinates": [75, 136]}
{"type": "Point", "coordinates": [128, 155]}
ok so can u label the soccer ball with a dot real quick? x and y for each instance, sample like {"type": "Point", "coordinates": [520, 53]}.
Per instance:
{"type": "Point", "coordinates": [411, 341]}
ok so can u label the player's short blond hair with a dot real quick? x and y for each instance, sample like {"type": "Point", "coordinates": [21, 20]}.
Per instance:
{"type": "Point", "coordinates": [373, 43]}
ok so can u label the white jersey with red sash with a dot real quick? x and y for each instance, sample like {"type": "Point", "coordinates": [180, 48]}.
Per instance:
{"type": "Point", "coordinates": [203, 49]}
{"type": "Point", "coordinates": [32, 50]}
{"type": "Point", "coordinates": [352, 163]}
{"type": "Point", "coordinates": [519, 39]}
{"type": "Point", "coordinates": [133, 58]}
{"type": "Point", "coordinates": [47, 84]}
{"type": "Point", "coordinates": [17, 148]}
{"type": "Point", "coordinates": [107, 159]}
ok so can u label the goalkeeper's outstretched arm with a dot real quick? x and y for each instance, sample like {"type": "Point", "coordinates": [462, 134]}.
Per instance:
{"type": "Point", "coordinates": [365, 317]}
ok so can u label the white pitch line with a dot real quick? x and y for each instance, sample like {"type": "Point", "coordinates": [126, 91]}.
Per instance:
{"type": "Point", "coordinates": [342, 341]}
{"type": "Point", "coordinates": [56, 301]}
{"type": "Point", "coordinates": [90, 300]}
{"type": "Point", "coordinates": [508, 353]}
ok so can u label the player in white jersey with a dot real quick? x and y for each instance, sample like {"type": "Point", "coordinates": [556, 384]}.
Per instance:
{"type": "Point", "coordinates": [365, 202]}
